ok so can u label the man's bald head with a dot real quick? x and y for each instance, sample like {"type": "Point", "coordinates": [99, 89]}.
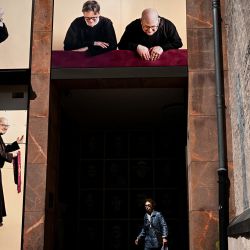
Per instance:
{"type": "Point", "coordinates": [150, 21]}
{"type": "Point", "coordinates": [3, 125]}
{"type": "Point", "coordinates": [149, 15]}
{"type": "Point", "coordinates": [3, 120]}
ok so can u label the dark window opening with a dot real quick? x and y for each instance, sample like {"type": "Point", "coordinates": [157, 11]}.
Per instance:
{"type": "Point", "coordinates": [119, 147]}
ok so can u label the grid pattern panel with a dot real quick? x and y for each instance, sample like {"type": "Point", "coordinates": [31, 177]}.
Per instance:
{"type": "Point", "coordinates": [118, 170]}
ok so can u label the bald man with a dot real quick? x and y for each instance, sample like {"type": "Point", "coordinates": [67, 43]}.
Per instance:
{"type": "Point", "coordinates": [150, 35]}
{"type": "Point", "coordinates": [5, 155]}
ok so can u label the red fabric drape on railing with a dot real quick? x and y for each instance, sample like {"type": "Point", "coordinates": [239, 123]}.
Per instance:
{"type": "Point", "coordinates": [17, 171]}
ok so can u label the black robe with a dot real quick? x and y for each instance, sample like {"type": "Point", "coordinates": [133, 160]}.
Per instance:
{"type": "Point", "coordinates": [81, 35]}
{"type": "Point", "coordinates": [166, 36]}
{"type": "Point", "coordinates": [5, 156]}
{"type": "Point", "coordinates": [3, 33]}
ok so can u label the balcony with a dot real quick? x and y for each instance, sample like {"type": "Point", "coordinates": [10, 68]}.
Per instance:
{"type": "Point", "coordinates": [73, 65]}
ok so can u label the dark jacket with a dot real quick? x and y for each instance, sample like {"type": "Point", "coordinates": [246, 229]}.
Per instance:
{"type": "Point", "coordinates": [81, 35]}
{"type": "Point", "coordinates": [154, 231]}
{"type": "Point", "coordinates": [3, 33]}
{"type": "Point", "coordinates": [5, 156]}
{"type": "Point", "coordinates": [166, 36]}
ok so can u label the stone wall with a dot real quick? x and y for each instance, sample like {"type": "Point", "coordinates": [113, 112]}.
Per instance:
{"type": "Point", "coordinates": [202, 127]}
{"type": "Point", "coordinates": [202, 144]}
{"type": "Point", "coordinates": [238, 42]}
{"type": "Point", "coordinates": [34, 210]}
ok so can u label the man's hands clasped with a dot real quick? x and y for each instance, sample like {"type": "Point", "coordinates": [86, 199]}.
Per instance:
{"type": "Point", "coordinates": [151, 54]}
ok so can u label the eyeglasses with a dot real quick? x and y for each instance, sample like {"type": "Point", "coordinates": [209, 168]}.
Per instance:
{"type": "Point", "coordinates": [153, 28]}
{"type": "Point", "coordinates": [4, 125]}
{"type": "Point", "coordinates": [94, 18]}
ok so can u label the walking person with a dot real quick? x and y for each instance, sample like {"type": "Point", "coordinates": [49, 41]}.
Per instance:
{"type": "Point", "coordinates": [155, 230]}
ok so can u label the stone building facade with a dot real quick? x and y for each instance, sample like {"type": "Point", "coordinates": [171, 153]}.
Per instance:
{"type": "Point", "coordinates": [238, 41]}
{"type": "Point", "coordinates": [202, 150]}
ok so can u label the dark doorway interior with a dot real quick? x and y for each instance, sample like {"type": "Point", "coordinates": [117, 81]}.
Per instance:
{"type": "Point", "coordinates": [118, 147]}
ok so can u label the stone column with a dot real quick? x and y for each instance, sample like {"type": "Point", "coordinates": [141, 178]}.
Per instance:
{"type": "Point", "coordinates": [34, 210]}
{"type": "Point", "coordinates": [202, 128]}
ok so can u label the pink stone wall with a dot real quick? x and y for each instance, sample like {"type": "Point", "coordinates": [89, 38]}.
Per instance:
{"type": "Point", "coordinates": [34, 211]}
{"type": "Point", "coordinates": [202, 127]}
{"type": "Point", "coordinates": [202, 136]}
